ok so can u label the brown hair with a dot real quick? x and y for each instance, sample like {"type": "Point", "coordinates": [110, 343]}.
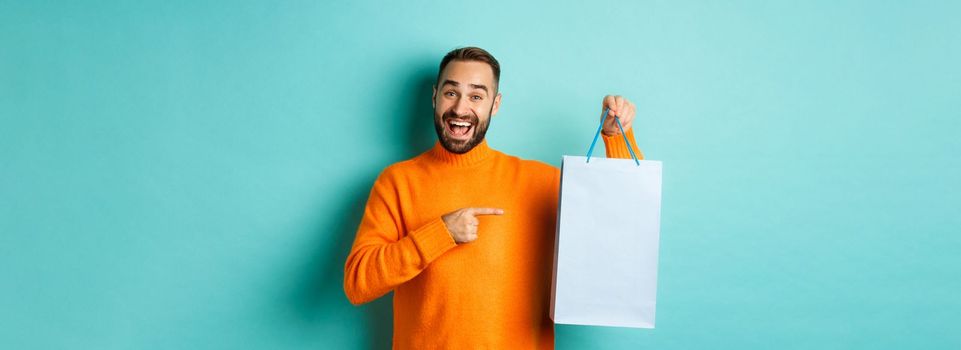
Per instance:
{"type": "Point", "coordinates": [471, 54]}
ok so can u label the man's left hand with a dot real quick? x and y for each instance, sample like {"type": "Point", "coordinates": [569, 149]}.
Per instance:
{"type": "Point", "coordinates": [620, 108]}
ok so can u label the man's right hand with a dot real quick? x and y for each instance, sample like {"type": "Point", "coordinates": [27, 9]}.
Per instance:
{"type": "Point", "coordinates": [462, 223]}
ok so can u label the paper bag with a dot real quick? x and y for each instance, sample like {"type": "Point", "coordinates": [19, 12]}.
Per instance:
{"type": "Point", "coordinates": [606, 249]}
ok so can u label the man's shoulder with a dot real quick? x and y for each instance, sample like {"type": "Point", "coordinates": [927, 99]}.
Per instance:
{"type": "Point", "coordinates": [402, 168]}
{"type": "Point", "coordinates": [537, 165]}
{"type": "Point", "coordinates": [530, 164]}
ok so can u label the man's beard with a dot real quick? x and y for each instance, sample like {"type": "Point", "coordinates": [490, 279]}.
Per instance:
{"type": "Point", "coordinates": [457, 146]}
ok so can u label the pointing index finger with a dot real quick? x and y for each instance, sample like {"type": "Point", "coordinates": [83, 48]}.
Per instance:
{"type": "Point", "coordinates": [487, 211]}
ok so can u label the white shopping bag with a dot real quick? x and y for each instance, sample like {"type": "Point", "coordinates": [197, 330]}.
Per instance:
{"type": "Point", "coordinates": [605, 253]}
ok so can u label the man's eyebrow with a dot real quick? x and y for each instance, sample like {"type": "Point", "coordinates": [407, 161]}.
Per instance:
{"type": "Point", "coordinates": [479, 86]}
{"type": "Point", "coordinates": [472, 86]}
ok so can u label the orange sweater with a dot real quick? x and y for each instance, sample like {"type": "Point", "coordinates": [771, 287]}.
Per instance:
{"type": "Point", "coordinates": [490, 293]}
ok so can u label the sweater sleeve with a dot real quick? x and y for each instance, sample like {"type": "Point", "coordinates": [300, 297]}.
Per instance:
{"type": "Point", "coordinates": [617, 148]}
{"type": "Point", "coordinates": [383, 256]}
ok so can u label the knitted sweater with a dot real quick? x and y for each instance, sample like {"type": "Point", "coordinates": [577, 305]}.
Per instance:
{"type": "Point", "coordinates": [493, 292]}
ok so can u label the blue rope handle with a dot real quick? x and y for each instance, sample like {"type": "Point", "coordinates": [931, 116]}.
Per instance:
{"type": "Point", "coordinates": [626, 142]}
{"type": "Point", "coordinates": [598, 134]}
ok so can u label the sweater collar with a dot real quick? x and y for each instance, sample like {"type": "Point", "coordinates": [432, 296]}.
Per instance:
{"type": "Point", "coordinates": [478, 154]}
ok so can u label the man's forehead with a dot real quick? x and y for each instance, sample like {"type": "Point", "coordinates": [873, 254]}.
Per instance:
{"type": "Point", "coordinates": [468, 72]}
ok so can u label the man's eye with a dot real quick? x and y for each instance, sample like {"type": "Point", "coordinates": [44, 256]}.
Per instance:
{"type": "Point", "coordinates": [449, 93]}
{"type": "Point", "coordinates": [476, 98]}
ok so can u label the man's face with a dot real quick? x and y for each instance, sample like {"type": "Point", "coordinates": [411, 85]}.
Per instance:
{"type": "Point", "coordinates": [464, 101]}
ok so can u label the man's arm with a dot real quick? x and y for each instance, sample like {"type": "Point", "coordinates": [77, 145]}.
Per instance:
{"type": "Point", "coordinates": [383, 256]}
{"type": "Point", "coordinates": [617, 148]}
{"type": "Point", "coordinates": [614, 143]}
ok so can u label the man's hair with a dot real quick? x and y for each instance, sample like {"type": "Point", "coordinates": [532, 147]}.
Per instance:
{"type": "Point", "coordinates": [471, 54]}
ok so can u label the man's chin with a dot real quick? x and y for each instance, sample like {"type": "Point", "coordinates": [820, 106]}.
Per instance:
{"type": "Point", "coordinates": [459, 146]}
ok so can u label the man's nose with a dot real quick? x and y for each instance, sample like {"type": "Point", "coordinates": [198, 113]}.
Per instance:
{"type": "Point", "coordinates": [462, 107]}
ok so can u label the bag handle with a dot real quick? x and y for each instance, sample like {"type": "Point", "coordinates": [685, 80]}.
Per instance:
{"type": "Point", "coordinates": [598, 134]}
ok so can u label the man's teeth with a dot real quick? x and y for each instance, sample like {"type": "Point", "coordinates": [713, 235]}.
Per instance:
{"type": "Point", "coordinates": [458, 127]}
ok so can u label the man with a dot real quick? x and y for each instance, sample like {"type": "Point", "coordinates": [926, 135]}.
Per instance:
{"type": "Point", "coordinates": [463, 234]}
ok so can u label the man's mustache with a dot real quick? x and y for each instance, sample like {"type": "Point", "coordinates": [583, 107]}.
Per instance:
{"type": "Point", "coordinates": [451, 115]}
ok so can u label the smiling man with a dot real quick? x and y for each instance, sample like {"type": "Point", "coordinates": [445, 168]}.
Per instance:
{"type": "Point", "coordinates": [464, 234]}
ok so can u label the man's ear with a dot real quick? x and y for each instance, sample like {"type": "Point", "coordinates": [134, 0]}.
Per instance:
{"type": "Point", "coordinates": [433, 97]}
{"type": "Point", "coordinates": [497, 104]}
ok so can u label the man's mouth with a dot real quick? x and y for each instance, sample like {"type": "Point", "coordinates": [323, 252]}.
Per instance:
{"type": "Point", "coordinates": [459, 129]}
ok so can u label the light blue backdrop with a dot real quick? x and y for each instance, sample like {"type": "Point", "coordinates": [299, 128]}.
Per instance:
{"type": "Point", "coordinates": [189, 174]}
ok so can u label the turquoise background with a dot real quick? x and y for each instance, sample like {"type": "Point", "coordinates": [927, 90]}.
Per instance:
{"type": "Point", "coordinates": [189, 174]}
